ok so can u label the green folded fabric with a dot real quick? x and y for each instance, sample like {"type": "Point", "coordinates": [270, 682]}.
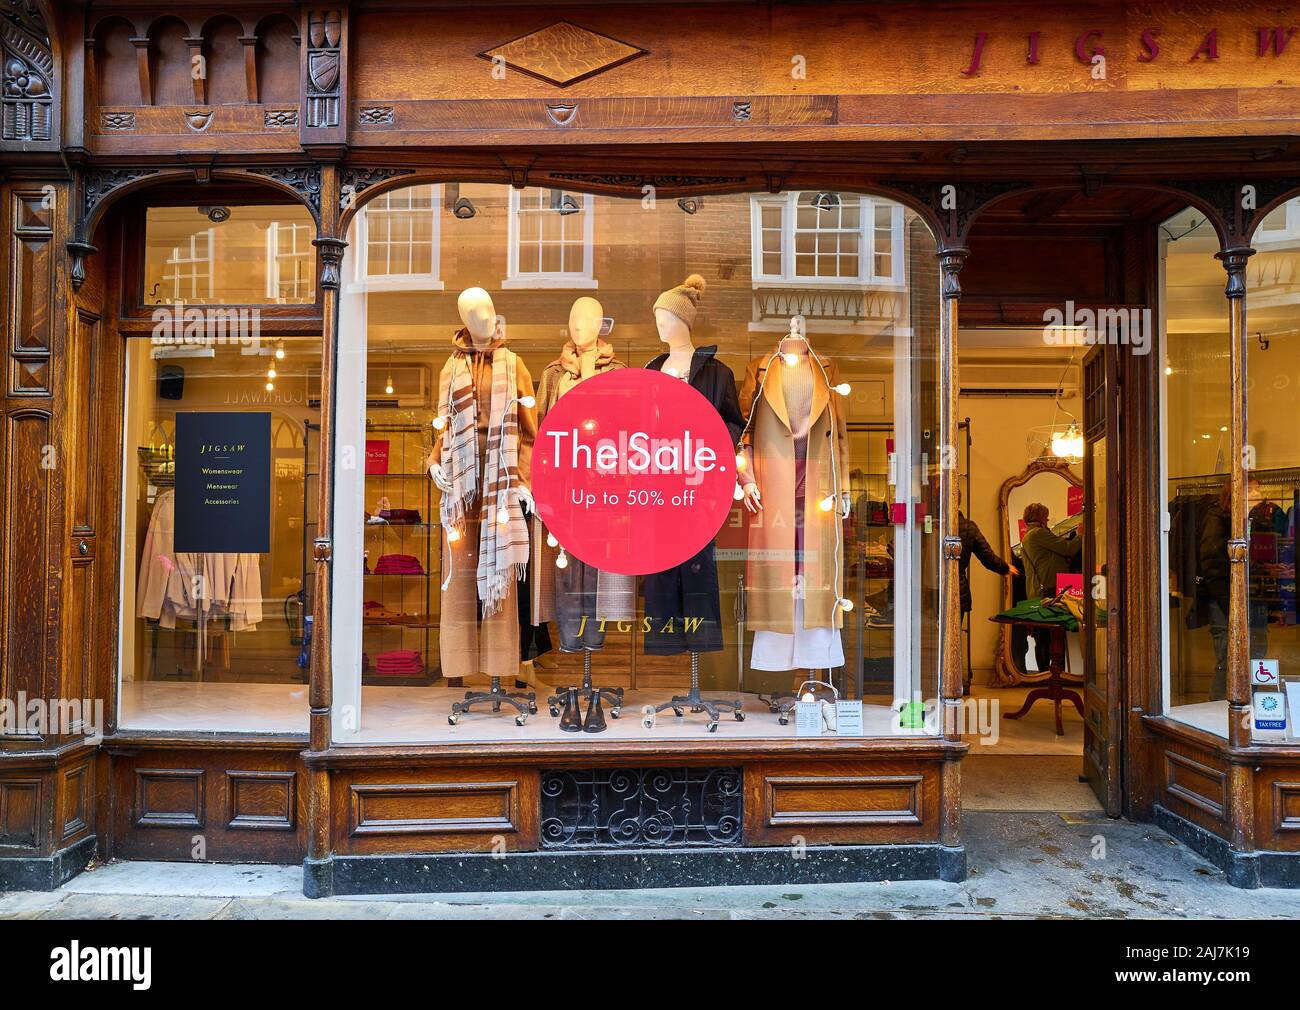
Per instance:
{"type": "Point", "coordinates": [1037, 610]}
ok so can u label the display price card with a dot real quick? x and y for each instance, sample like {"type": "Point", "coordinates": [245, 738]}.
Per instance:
{"type": "Point", "coordinates": [848, 718]}
{"type": "Point", "coordinates": [808, 718]}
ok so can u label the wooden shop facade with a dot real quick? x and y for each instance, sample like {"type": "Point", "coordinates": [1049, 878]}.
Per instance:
{"type": "Point", "coordinates": [259, 225]}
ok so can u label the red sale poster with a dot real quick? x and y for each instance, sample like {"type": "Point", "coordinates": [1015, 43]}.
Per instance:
{"type": "Point", "coordinates": [1074, 501]}
{"type": "Point", "coordinates": [376, 456]}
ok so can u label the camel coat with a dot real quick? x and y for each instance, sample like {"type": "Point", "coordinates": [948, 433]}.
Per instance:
{"type": "Point", "coordinates": [769, 450]}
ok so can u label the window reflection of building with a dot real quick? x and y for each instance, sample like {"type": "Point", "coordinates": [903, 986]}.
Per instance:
{"type": "Point", "coordinates": [289, 257]}
{"type": "Point", "coordinates": [187, 272]}
{"type": "Point", "coordinates": [550, 239]}
{"type": "Point", "coordinates": [400, 237]}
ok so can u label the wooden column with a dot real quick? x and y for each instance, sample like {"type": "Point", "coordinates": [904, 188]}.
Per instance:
{"type": "Point", "coordinates": [1241, 800]}
{"type": "Point", "coordinates": [951, 259]}
{"type": "Point", "coordinates": [320, 694]}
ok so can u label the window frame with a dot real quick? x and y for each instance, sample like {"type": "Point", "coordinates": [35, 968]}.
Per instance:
{"type": "Point", "coordinates": [362, 280]}
{"type": "Point", "coordinates": [516, 278]}
{"type": "Point", "coordinates": [788, 203]}
{"type": "Point", "coordinates": [274, 256]}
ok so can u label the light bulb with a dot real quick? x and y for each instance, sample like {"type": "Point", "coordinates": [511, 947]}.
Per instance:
{"type": "Point", "coordinates": [562, 561]}
{"type": "Point", "coordinates": [270, 387]}
{"type": "Point", "coordinates": [1169, 370]}
{"type": "Point", "coordinates": [791, 358]}
{"type": "Point", "coordinates": [503, 516]}
{"type": "Point", "coordinates": [279, 352]}
{"type": "Point", "coordinates": [827, 503]}
{"type": "Point", "coordinates": [740, 461]}
{"type": "Point", "coordinates": [270, 373]}
{"type": "Point", "coordinates": [844, 389]}
{"type": "Point", "coordinates": [453, 535]}
{"type": "Point", "coordinates": [672, 372]}
{"type": "Point", "coordinates": [589, 425]}
{"type": "Point", "coordinates": [440, 422]}
{"type": "Point", "coordinates": [845, 605]}
{"type": "Point", "coordinates": [388, 386]}
{"type": "Point", "coordinates": [551, 541]}
{"type": "Point", "coordinates": [808, 696]}
{"type": "Point", "coordinates": [739, 493]}
{"type": "Point", "coordinates": [529, 402]}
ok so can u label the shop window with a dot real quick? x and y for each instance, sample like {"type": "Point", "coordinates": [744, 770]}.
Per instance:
{"type": "Point", "coordinates": [399, 241]}
{"type": "Point", "coordinates": [410, 635]}
{"type": "Point", "coordinates": [220, 464]}
{"type": "Point", "coordinates": [1196, 462]}
{"type": "Point", "coordinates": [1273, 455]}
{"type": "Point", "coordinates": [550, 239]}
{"type": "Point", "coordinates": [237, 255]}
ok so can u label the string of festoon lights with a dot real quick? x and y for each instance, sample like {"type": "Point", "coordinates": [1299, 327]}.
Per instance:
{"type": "Point", "coordinates": [271, 372]}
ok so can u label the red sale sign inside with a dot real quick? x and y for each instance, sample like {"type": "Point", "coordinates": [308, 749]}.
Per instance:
{"type": "Point", "coordinates": [633, 471]}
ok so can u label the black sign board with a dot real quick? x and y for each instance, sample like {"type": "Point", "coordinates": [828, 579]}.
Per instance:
{"type": "Point", "coordinates": [223, 482]}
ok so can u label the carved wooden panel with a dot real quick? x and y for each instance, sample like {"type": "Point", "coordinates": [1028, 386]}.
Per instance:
{"type": "Point", "coordinates": [841, 802]}
{"type": "Point", "coordinates": [261, 800]}
{"type": "Point", "coordinates": [1286, 806]}
{"type": "Point", "coordinates": [75, 796]}
{"type": "Point", "coordinates": [1195, 784]}
{"type": "Point", "coordinates": [563, 53]}
{"type": "Point", "coordinates": [30, 305]}
{"type": "Point", "coordinates": [435, 810]}
{"type": "Point", "coordinates": [169, 798]}
{"type": "Point", "coordinates": [27, 65]}
{"type": "Point", "coordinates": [20, 812]}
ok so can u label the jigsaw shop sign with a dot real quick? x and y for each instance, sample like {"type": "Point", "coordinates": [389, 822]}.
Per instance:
{"type": "Point", "coordinates": [633, 472]}
{"type": "Point", "coordinates": [1148, 44]}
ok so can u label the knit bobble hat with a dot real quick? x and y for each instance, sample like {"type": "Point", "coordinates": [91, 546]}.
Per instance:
{"type": "Point", "coordinates": [683, 301]}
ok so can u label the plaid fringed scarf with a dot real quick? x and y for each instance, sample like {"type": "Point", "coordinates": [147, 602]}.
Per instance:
{"type": "Point", "coordinates": [503, 547]}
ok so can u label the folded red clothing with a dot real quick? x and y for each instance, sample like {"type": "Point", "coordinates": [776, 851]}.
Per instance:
{"type": "Point", "coordinates": [398, 564]}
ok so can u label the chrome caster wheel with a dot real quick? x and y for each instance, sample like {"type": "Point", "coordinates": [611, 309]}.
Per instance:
{"type": "Point", "coordinates": [648, 717]}
{"type": "Point", "coordinates": [713, 727]}
{"type": "Point", "coordinates": [614, 712]}
{"type": "Point", "coordinates": [520, 720]}
{"type": "Point", "coordinates": [532, 707]}
{"type": "Point", "coordinates": [677, 712]}
{"type": "Point", "coordinates": [740, 716]}
{"type": "Point", "coordinates": [451, 720]}
{"type": "Point", "coordinates": [784, 720]}
{"type": "Point", "coordinates": [554, 711]}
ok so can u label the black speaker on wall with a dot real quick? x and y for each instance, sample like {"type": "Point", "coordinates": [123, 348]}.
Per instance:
{"type": "Point", "coordinates": [171, 382]}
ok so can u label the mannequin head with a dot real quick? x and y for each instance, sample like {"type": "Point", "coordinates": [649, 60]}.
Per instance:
{"type": "Point", "coordinates": [479, 315]}
{"type": "Point", "coordinates": [585, 319]}
{"type": "Point", "coordinates": [675, 311]}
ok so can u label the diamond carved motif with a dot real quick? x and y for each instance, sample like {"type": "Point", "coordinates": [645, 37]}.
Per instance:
{"type": "Point", "coordinates": [563, 54]}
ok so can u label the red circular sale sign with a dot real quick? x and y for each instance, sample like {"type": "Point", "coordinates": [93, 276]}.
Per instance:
{"type": "Point", "coordinates": [633, 471]}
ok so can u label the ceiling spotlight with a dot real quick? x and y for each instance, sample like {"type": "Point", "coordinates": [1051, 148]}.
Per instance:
{"type": "Point", "coordinates": [564, 202]}
{"type": "Point", "coordinates": [691, 205]}
{"type": "Point", "coordinates": [826, 200]}
{"type": "Point", "coordinates": [215, 214]}
{"type": "Point", "coordinates": [464, 209]}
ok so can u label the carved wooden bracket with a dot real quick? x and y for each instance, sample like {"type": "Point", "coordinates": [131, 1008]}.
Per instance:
{"type": "Point", "coordinates": [331, 258]}
{"type": "Point", "coordinates": [1237, 204]}
{"type": "Point", "coordinates": [97, 184]}
{"type": "Point", "coordinates": [951, 206]}
{"type": "Point", "coordinates": [305, 180]}
{"type": "Point", "coordinates": [356, 181]}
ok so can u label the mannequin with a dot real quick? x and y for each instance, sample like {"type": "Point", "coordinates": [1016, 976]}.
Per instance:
{"type": "Point", "coordinates": [481, 462]}
{"type": "Point", "coordinates": [690, 590]}
{"type": "Point", "coordinates": [566, 590]}
{"type": "Point", "coordinates": [795, 444]}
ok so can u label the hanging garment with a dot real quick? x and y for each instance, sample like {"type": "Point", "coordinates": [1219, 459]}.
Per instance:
{"type": "Point", "coordinates": [770, 456]}
{"type": "Point", "coordinates": [682, 603]}
{"type": "Point", "coordinates": [614, 597]}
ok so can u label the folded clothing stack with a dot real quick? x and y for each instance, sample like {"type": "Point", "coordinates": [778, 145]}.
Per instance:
{"type": "Point", "coordinates": [399, 663]}
{"type": "Point", "coordinates": [400, 517]}
{"type": "Point", "coordinates": [398, 564]}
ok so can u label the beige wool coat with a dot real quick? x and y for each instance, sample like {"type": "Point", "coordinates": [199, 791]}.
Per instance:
{"type": "Point", "coordinates": [769, 451]}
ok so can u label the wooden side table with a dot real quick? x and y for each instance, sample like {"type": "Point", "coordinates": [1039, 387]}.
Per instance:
{"type": "Point", "coordinates": [1055, 688]}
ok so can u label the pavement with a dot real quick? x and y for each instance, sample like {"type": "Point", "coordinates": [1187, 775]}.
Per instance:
{"type": "Point", "coordinates": [1022, 865]}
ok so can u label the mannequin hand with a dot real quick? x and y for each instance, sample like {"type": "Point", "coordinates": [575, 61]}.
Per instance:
{"type": "Point", "coordinates": [526, 500]}
{"type": "Point", "coordinates": [753, 500]}
{"type": "Point", "coordinates": [439, 476]}
{"type": "Point", "coordinates": [846, 504]}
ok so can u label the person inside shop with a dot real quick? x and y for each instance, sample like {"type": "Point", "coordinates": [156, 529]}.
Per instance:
{"type": "Point", "coordinates": [974, 544]}
{"type": "Point", "coordinates": [1045, 554]}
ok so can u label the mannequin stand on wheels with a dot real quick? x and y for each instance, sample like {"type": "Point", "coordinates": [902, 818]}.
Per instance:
{"type": "Point", "coordinates": [612, 696]}
{"type": "Point", "coordinates": [696, 703]}
{"type": "Point", "coordinates": [524, 704]}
